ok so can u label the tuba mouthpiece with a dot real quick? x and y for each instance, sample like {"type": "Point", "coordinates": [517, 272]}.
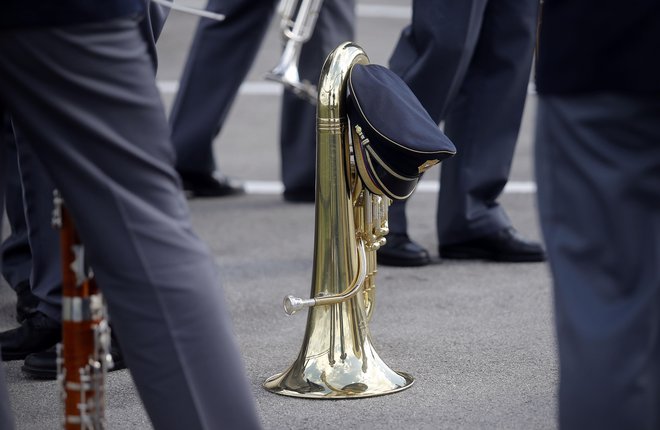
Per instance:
{"type": "Point", "coordinates": [294, 304]}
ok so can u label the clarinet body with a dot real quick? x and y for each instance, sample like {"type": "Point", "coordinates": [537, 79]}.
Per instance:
{"type": "Point", "coordinates": [83, 356]}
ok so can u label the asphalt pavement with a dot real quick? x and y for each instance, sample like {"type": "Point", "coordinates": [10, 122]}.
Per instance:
{"type": "Point", "coordinates": [477, 337]}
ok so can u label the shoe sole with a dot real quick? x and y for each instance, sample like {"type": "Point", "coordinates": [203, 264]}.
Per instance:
{"type": "Point", "coordinates": [480, 255]}
{"type": "Point", "coordinates": [299, 200]}
{"type": "Point", "coordinates": [203, 194]}
{"type": "Point", "coordinates": [8, 356]}
{"type": "Point", "coordinates": [402, 263]}
{"type": "Point", "coordinates": [38, 373]}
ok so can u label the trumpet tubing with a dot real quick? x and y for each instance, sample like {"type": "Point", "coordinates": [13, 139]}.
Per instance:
{"type": "Point", "coordinates": [297, 22]}
{"type": "Point", "coordinates": [298, 18]}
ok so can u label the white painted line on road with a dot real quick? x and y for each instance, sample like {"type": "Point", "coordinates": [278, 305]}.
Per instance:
{"type": "Point", "coordinates": [276, 187]}
{"type": "Point", "coordinates": [514, 187]}
{"type": "Point", "coordinates": [264, 187]}
{"type": "Point", "coordinates": [526, 187]}
{"type": "Point", "coordinates": [258, 88]}
{"type": "Point", "coordinates": [383, 11]}
{"type": "Point", "coordinates": [167, 87]}
{"type": "Point", "coordinates": [531, 89]}
{"type": "Point", "coordinates": [252, 88]}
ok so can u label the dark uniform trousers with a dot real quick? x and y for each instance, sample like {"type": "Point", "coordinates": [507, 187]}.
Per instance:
{"type": "Point", "coordinates": [598, 173]}
{"type": "Point", "coordinates": [469, 64]}
{"type": "Point", "coordinates": [31, 252]}
{"type": "Point", "coordinates": [102, 135]}
{"type": "Point", "coordinates": [15, 249]}
{"type": "Point", "coordinates": [219, 60]}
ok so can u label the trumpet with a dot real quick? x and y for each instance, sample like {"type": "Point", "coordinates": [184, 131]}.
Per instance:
{"type": "Point", "coordinates": [298, 19]}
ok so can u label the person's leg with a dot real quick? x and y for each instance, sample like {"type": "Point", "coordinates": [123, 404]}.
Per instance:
{"type": "Point", "coordinates": [41, 327]}
{"type": "Point", "coordinates": [46, 274]}
{"type": "Point", "coordinates": [152, 25]}
{"type": "Point", "coordinates": [471, 223]}
{"type": "Point", "coordinates": [432, 57]}
{"type": "Point", "coordinates": [6, 415]}
{"type": "Point", "coordinates": [104, 141]}
{"type": "Point", "coordinates": [335, 25]}
{"type": "Point", "coordinates": [218, 61]}
{"type": "Point", "coordinates": [496, 81]}
{"type": "Point", "coordinates": [15, 249]}
{"type": "Point", "coordinates": [598, 176]}
{"type": "Point", "coordinates": [35, 339]}
{"type": "Point", "coordinates": [433, 53]}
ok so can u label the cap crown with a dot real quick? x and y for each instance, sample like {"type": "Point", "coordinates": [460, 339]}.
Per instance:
{"type": "Point", "coordinates": [396, 138]}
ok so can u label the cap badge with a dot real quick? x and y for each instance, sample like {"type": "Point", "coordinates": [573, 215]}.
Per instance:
{"type": "Point", "coordinates": [361, 135]}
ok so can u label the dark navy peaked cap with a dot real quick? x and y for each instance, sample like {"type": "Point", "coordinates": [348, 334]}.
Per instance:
{"type": "Point", "coordinates": [395, 139]}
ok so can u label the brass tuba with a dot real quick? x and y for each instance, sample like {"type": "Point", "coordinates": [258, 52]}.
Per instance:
{"type": "Point", "coordinates": [337, 359]}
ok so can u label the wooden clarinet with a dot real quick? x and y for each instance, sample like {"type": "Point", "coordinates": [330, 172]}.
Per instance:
{"type": "Point", "coordinates": [83, 356]}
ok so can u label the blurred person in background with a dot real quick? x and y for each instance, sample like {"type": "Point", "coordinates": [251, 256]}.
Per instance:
{"type": "Point", "coordinates": [469, 64]}
{"type": "Point", "coordinates": [598, 175]}
{"type": "Point", "coordinates": [218, 62]}
{"type": "Point", "coordinates": [31, 254]}
{"type": "Point", "coordinates": [79, 83]}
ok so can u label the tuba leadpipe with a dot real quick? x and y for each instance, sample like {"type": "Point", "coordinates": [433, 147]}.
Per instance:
{"type": "Point", "coordinates": [293, 304]}
{"type": "Point", "coordinates": [337, 359]}
{"type": "Point", "coordinates": [83, 356]}
{"type": "Point", "coordinates": [297, 22]}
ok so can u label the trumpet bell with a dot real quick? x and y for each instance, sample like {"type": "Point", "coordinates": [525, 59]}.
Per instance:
{"type": "Point", "coordinates": [286, 73]}
{"type": "Point", "coordinates": [289, 78]}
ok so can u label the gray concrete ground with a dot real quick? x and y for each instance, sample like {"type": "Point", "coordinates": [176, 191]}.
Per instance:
{"type": "Point", "coordinates": [478, 337]}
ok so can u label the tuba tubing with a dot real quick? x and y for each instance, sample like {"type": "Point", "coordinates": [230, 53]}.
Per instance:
{"type": "Point", "coordinates": [294, 304]}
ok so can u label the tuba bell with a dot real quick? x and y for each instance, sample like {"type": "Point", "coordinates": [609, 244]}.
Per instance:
{"type": "Point", "coordinates": [337, 359]}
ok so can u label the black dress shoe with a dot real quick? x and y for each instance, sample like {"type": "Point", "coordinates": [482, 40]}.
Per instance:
{"type": "Point", "coordinates": [43, 365]}
{"type": "Point", "coordinates": [399, 250]}
{"type": "Point", "coordinates": [37, 333]}
{"type": "Point", "coordinates": [215, 184]}
{"type": "Point", "coordinates": [300, 195]}
{"type": "Point", "coordinates": [506, 245]}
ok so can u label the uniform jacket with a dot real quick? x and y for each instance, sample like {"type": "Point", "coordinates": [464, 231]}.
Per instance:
{"type": "Point", "coordinates": [18, 14]}
{"type": "Point", "coordinates": [599, 45]}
